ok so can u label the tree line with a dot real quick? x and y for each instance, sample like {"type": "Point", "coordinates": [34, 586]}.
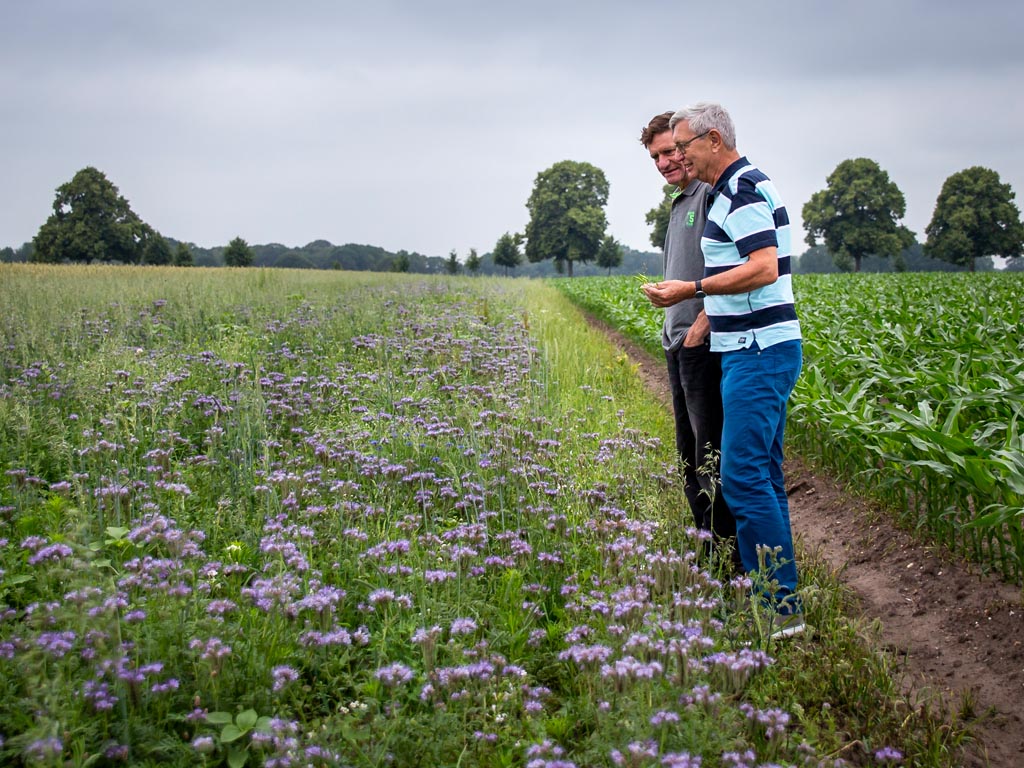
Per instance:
{"type": "Point", "coordinates": [856, 217]}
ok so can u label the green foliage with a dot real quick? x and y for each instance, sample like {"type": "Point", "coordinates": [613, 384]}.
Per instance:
{"type": "Point", "coordinates": [17, 255]}
{"type": "Point", "coordinates": [567, 219]}
{"type": "Point", "coordinates": [235, 729]}
{"type": "Point", "coordinates": [238, 253]}
{"type": "Point", "coordinates": [974, 216]}
{"type": "Point", "coordinates": [658, 218]}
{"type": "Point", "coordinates": [620, 303]}
{"type": "Point", "coordinates": [609, 255]}
{"type": "Point", "coordinates": [911, 387]}
{"type": "Point", "coordinates": [156, 251]}
{"type": "Point", "coordinates": [452, 266]}
{"type": "Point", "coordinates": [91, 221]}
{"type": "Point", "coordinates": [858, 213]}
{"type": "Point", "coordinates": [401, 262]}
{"type": "Point", "coordinates": [818, 259]}
{"type": "Point", "coordinates": [322, 255]}
{"type": "Point", "coordinates": [506, 252]}
{"type": "Point", "coordinates": [183, 256]}
{"type": "Point", "coordinates": [473, 262]}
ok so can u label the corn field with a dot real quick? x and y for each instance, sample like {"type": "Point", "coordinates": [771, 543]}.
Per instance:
{"type": "Point", "coordinates": [912, 389]}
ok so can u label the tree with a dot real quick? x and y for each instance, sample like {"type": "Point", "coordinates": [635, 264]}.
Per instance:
{"type": "Point", "coordinates": [156, 250]}
{"type": "Point", "coordinates": [183, 256]}
{"type": "Point", "coordinates": [858, 213]}
{"type": "Point", "coordinates": [451, 266]}
{"type": "Point", "coordinates": [658, 218]}
{"type": "Point", "coordinates": [506, 253]}
{"type": "Point", "coordinates": [91, 221]}
{"type": "Point", "coordinates": [974, 216]}
{"type": "Point", "coordinates": [473, 261]}
{"type": "Point", "coordinates": [400, 262]}
{"type": "Point", "coordinates": [567, 219]}
{"type": "Point", "coordinates": [238, 253]}
{"type": "Point", "coordinates": [609, 255]}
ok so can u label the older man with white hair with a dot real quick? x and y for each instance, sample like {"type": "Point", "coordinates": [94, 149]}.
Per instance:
{"type": "Point", "coordinates": [748, 297]}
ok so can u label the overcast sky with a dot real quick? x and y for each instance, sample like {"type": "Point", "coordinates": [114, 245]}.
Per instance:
{"type": "Point", "coordinates": [422, 125]}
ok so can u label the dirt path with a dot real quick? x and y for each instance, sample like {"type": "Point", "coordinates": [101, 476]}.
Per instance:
{"type": "Point", "coordinates": [957, 632]}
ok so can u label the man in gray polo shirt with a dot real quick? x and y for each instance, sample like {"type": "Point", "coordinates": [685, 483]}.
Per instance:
{"type": "Point", "coordinates": [694, 371]}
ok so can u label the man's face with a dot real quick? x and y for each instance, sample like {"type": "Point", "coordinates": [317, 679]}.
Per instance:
{"type": "Point", "coordinates": [695, 150]}
{"type": "Point", "coordinates": [668, 160]}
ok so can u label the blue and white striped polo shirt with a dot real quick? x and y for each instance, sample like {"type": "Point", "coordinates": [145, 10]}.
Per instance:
{"type": "Point", "coordinates": [747, 214]}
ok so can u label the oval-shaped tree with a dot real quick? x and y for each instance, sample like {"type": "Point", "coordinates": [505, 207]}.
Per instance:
{"type": "Point", "coordinates": [506, 252]}
{"type": "Point", "coordinates": [567, 220]}
{"type": "Point", "coordinates": [858, 213]}
{"type": "Point", "coordinates": [238, 254]}
{"type": "Point", "coordinates": [974, 216]}
{"type": "Point", "coordinates": [609, 255]}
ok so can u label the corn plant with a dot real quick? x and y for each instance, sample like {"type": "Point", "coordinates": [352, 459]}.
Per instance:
{"type": "Point", "coordinates": [913, 386]}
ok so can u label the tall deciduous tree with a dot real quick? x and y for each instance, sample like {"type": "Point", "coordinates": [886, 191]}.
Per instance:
{"type": "Point", "coordinates": [974, 216]}
{"type": "Point", "coordinates": [658, 217]}
{"type": "Point", "coordinates": [858, 213]}
{"type": "Point", "coordinates": [473, 261]}
{"type": "Point", "coordinates": [506, 252]}
{"type": "Point", "coordinates": [609, 255]}
{"type": "Point", "coordinates": [91, 221]}
{"type": "Point", "coordinates": [238, 253]}
{"type": "Point", "coordinates": [567, 220]}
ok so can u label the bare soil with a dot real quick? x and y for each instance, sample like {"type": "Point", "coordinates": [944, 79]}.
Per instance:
{"type": "Point", "coordinates": [957, 634]}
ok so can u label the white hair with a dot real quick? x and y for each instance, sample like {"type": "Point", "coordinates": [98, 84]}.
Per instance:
{"type": "Point", "coordinates": [705, 116]}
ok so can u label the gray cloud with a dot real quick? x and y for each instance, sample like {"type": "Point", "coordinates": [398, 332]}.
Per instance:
{"type": "Point", "coordinates": [422, 125]}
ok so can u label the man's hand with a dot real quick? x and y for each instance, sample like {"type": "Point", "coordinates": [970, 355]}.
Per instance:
{"type": "Point", "coordinates": [667, 292]}
{"type": "Point", "coordinates": [698, 332]}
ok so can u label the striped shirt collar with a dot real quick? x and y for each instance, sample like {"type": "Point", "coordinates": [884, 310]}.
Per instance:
{"type": "Point", "coordinates": [728, 174]}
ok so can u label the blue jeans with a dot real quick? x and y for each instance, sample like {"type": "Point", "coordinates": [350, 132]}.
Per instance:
{"type": "Point", "coordinates": [695, 378]}
{"type": "Point", "coordinates": [756, 383]}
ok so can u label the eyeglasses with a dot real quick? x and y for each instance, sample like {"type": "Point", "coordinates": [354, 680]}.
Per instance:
{"type": "Point", "coordinates": [682, 146]}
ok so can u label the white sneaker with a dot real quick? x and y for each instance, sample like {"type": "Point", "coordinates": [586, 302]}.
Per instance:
{"type": "Point", "coordinates": [787, 625]}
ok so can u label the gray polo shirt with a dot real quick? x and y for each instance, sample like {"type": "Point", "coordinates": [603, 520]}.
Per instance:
{"type": "Point", "coordinates": [684, 259]}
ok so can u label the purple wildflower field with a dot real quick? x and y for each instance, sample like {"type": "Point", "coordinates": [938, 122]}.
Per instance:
{"type": "Point", "coordinates": [374, 523]}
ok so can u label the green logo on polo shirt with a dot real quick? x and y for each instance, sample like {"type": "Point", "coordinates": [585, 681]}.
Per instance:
{"type": "Point", "coordinates": [690, 217]}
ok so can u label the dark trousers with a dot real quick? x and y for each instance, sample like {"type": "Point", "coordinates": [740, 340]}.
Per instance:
{"type": "Point", "coordinates": [695, 377]}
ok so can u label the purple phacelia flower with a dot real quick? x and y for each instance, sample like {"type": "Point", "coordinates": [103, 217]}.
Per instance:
{"type": "Point", "coordinates": [394, 674]}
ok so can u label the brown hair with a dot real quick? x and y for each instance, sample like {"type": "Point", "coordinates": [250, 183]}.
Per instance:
{"type": "Point", "coordinates": [658, 124]}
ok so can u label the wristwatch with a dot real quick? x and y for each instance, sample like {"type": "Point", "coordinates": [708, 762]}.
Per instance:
{"type": "Point", "coordinates": [698, 291]}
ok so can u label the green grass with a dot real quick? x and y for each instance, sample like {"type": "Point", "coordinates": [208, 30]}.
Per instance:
{"type": "Point", "coordinates": [344, 519]}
